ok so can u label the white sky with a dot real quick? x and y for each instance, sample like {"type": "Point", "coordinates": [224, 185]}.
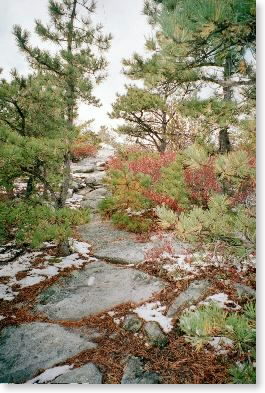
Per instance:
{"type": "Point", "coordinates": [122, 18]}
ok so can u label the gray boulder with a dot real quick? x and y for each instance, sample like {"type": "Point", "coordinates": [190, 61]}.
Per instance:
{"type": "Point", "coordinates": [132, 323]}
{"type": "Point", "coordinates": [28, 348]}
{"type": "Point", "coordinates": [155, 334]}
{"type": "Point", "coordinates": [191, 295]}
{"type": "Point", "coordinates": [134, 373]}
{"type": "Point", "coordinates": [89, 373]}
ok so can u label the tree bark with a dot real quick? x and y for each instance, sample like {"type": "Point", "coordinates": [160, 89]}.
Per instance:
{"type": "Point", "coordinates": [224, 140]}
{"type": "Point", "coordinates": [30, 187]}
{"type": "Point", "coordinates": [64, 248]}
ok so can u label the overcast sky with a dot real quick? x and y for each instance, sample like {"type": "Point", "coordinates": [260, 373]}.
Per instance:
{"type": "Point", "coordinates": [122, 18]}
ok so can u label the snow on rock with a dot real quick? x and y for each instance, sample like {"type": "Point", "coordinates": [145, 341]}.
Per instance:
{"type": "Point", "coordinates": [22, 264]}
{"type": "Point", "coordinates": [2, 317]}
{"type": "Point", "coordinates": [29, 281]}
{"type": "Point", "coordinates": [50, 374]}
{"type": "Point", "coordinates": [72, 260]}
{"type": "Point", "coordinates": [6, 293]}
{"type": "Point", "coordinates": [48, 268]}
{"type": "Point", "coordinates": [80, 247]}
{"type": "Point", "coordinates": [222, 300]}
{"type": "Point", "coordinates": [153, 312]}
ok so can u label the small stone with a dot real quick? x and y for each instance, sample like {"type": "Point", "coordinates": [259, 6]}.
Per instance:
{"type": "Point", "coordinates": [155, 335]}
{"type": "Point", "coordinates": [244, 290]}
{"type": "Point", "coordinates": [134, 373]}
{"type": "Point", "coordinates": [132, 323]}
{"type": "Point", "coordinates": [88, 373]}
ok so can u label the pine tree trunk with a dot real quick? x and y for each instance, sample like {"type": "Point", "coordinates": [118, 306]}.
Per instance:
{"type": "Point", "coordinates": [224, 140]}
{"type": "Point", "coordinates": [30, 187]}
{"type": "Point", "coordinates": [162, 147]}
{"type": "Point", "coordinates": [63, 247]}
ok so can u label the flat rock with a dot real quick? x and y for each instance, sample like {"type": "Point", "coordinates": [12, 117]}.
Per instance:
{"type": "Point", "coordinates": [191, 295]}
{"type": "Point", "coordinates": [89, 168]}
{"type": "Point", "coordinates": [28, 348]}
{"type": "Point", "coordinates": [71, 298]}
{"type": "Point", "coordinates": [118, 246]}
{"type": "Point", "coordinates": [89, 373]}
{"type": "Point", "coordinates": [134, 373]}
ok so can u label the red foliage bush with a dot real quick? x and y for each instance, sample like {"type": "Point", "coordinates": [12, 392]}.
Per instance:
{"type": "Point", "coordinates": [152, 165]}
{"type": "Point", "coordinates": [161, 199]}
{"type": "Point", "coordinates": [201, 183]}
{"type": "Point", "coordinates": [148, 164]}
{"type": "Point", "coordinates": [80, 151]}
{"type": "Point", "coordinates": [115, 163]}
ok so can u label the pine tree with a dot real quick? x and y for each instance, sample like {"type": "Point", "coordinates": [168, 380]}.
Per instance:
{"type": "Point", "coordinates": [77, 64]}
{"type": "Point", "coordinates": [150, 112]}
{"type": "Point", "coordinates": [214, 34]}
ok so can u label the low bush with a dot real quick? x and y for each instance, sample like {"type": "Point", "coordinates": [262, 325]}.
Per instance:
{"type": "Point", "coordinates": [82, 150]}
{"type": "Point", "coordinates": [210, 320]}
{"type": "Point", "coordinates": [167, 217]}
{"type": "Point", "coordinates": [33, 224]}
{"type": "Point", "coordinates": [136, 224]}
{"type": "Point", "coordinates": [243, 373]}
{"type": "Point", "coordinates": [208, 197]}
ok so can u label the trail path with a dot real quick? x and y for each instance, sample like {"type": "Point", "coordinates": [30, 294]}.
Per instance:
{"type": "Point", "coordinates": [87, 318]}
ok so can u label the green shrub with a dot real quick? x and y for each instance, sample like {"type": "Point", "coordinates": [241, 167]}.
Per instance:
{"type": "Point", "coordinates": [136, 224]}
{"type": "Point", "coordinates": [206, 321]}
{"type": "Point", "coordinates": [243, 374]}
{"type": "Point", "coordinates": [242, 328]}
{"type": "Point", "coordinates": [220, 221]}
{"type": "Point", "coordinates": [32, 224]}
{"type": "Point", "coordinates": [107, 206]}
{"type": "Point", "coordinates": [167, 217]}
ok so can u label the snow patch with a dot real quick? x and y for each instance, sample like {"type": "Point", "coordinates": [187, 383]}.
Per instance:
{"type": "Point", "coordinates": [80, 247]}
{"type": "Point", "coordinates": [30, 280]}
{"type": "Point", "coordinates": [222, 300]}
{"type": "Point", "coordinates": [22, 264]}
{"type": "Point", "coordinates": [6, 293]}
{"type": "Point", "coordinates": [153, 312]}
{"type": "Point", "coordinates": [50, 374]}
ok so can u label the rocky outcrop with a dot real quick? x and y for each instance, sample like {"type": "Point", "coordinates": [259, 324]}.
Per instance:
{"type": "Point", "coordinates": [71, 298]}
{"type": "Point", "coordinates": [28, 348]}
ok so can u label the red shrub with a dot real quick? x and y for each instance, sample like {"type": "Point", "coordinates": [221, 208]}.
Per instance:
{"type": "Point", "coordinates": [161, 199]}
{"type": "Point", "coordinates": [201, 183]}
{"type": "Point", "coordinates": [80, 151]}
{"type": "Point", "coordinates": [115, 163]}
{"type": "Point", "coordinates": [152, 165]}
